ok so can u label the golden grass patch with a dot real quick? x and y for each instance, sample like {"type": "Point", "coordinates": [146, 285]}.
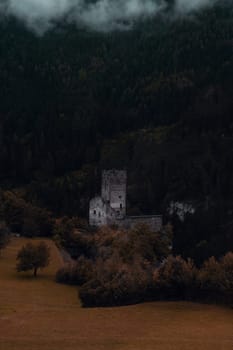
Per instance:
{"type": "Point", "coordinates": [40, 314]}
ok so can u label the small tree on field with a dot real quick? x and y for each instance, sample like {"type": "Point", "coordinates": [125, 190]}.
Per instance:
{"type": "Point", "coordinates": [33, 257]}
{"type": "Point", "coordinates": [4, 235]}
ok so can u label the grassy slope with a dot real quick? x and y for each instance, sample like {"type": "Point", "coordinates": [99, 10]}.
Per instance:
{"type": "Point", "coordinates": [40, 314]}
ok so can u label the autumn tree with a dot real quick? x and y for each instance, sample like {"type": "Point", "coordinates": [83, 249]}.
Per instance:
{"type": "Point", "coordinates": [33, 257]}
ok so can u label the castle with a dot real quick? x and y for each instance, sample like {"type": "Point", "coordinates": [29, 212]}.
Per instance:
{"type": "Point", "coordinates": [110, 207]}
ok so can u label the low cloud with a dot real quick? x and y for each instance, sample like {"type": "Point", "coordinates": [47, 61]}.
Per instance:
{"type": "Point", "coordinates": [186, 6]}
{"type": "Point", "coordinates": [101, 15]}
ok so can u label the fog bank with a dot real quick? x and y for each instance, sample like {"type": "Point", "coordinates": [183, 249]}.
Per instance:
{"type": "Point", "coordinates": [101, 15]}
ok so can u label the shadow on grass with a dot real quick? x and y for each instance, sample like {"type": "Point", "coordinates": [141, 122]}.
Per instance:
{"type": "Point", "coordinates": [28, 276]}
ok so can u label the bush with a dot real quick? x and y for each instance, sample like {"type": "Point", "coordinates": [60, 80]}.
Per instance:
{"type": "Point", "coordinates": [210, 276]}
{"type": "Point", "coordinates": [115, 283]}
{"type": "Point", "coordinates": [215, 279]}
{"type": "Point", "coordinates": [69, 234]}
{"type": "Point", "coordinates": [227, 267]}
{"type": "Point", "coordinates": [24, 218]}
{"type": "Point", "coordinates": [175, 279]}
{"type": "Point", "coordinates": [75, 273]}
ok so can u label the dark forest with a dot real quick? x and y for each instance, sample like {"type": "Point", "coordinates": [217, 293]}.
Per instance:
{"type": "Point", "coordinates": [156, 100]}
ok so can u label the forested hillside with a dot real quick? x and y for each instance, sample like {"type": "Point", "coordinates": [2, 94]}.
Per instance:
{"type": "Point", "coordinates": [156, 99]}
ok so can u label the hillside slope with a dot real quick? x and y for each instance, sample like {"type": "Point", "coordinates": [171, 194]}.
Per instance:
{"type": "Point", "coordinates": [157, 100]}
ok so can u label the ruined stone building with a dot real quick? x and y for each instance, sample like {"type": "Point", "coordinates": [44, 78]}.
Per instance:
{"type": "Point", "coordinates": [110, 207]}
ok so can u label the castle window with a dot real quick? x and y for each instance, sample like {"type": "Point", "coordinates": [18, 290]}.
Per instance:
{"type": "Point", "coordinates": [121, 206]}
{"type": "Point", "coordinates": [99, 214]}
{"type": "Point", "coordinates": [120, 197]}
{"type": "Point", "coordinates": [94, 212]}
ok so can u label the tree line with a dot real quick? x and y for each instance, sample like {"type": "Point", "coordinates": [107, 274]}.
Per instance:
{"type": "Point", "coordinates": [129, 267]}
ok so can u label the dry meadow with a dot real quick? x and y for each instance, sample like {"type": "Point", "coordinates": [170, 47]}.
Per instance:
{"type": "Point", "coordinates": [40, 314]}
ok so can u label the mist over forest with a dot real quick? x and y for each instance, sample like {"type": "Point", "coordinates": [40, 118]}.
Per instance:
{"type": "Point", "coordinates": [101, 15]}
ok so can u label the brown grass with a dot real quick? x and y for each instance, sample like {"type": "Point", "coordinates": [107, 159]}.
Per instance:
{"type": "Point", "coordinates": [40, 314]}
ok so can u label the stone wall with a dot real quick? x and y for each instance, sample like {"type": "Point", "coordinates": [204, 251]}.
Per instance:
{"type": "Point", "coordinates": [155, 222]}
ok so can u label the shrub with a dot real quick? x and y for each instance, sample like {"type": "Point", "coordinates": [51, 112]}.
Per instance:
{"type": "Point", "coordinates": [116, 283]}
{"type": "Point", "coordinates": [75, 273]}
{"type": "Point", "coordinates": [210, 275]}
{"type": "Point", "coordinates": [227, 267]}
{"type": "Point", "coordinates": [215, 279]}
{"type": "Point", "coordinates": [175, 279]}
{"type": "Point", "coordinates": [23, 217]}
{"type": "Point", "coordinates": [68, 234]}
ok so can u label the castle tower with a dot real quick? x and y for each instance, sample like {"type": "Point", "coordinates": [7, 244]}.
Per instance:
{"type": "Point", "coordinates": [110, 207]}
{"type": "Point", "coordinates": [113, 192]}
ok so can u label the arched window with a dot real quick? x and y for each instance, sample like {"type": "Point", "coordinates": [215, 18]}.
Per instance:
{"type": "Point", "coordinates": [121, 205]}
{"type": "Point", "coordinates": [94, 212]}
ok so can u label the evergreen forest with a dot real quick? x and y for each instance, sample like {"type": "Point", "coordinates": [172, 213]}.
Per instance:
{"type": "Point", "coordinates": [156, 100]}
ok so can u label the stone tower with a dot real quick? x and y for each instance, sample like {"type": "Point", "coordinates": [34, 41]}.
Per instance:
{"type": "Point", "coordinates": [110, 207]}
{"type": "Point", "coordinates": [113, 192]}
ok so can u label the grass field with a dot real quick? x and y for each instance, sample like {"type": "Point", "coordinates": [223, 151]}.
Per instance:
{"type": "Point", "coordinates": [40, 314]}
